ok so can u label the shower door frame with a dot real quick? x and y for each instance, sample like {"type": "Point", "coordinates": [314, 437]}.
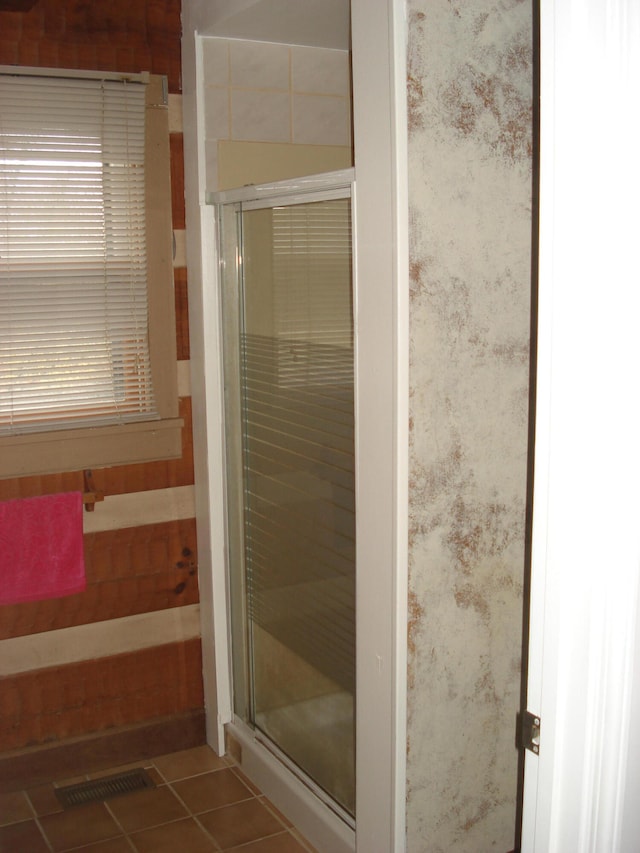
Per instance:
{"type": "Point", "coordinates": [381, 232]}
{"type": "Point", "coordinates": [339, 184]}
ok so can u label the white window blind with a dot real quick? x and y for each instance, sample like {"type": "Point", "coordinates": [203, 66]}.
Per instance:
{"type": "Point", "coordinates": [312, 272]}
{"type": "Point", "coordinates": [73, 290]}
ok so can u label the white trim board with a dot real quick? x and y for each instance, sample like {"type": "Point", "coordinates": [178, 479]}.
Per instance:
{"type": "Point", "coordinates": [139, 508]}
{"type": "Point", "coordinates": [99, 639]}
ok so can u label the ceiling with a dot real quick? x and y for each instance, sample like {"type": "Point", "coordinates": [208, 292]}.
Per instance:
{"type": "Point", "coordinates": [317, 23]}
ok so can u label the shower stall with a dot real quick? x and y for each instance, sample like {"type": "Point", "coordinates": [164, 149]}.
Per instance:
{"type": "Point", "coordinates": [286, 295]}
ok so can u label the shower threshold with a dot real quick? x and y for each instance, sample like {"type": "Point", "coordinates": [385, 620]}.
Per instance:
{"type": "Point", "coordinates": [322, 821]}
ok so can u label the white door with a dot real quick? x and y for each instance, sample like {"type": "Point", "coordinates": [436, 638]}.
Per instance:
{"type": "Point", "coordinates": [582, 791]}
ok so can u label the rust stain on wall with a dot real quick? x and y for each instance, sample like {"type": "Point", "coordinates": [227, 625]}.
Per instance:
{"type": "Point", "coordinates": [468, 596]}
{"type": "Point", "coordinates": [415, 78]}
{"type": "Point", "coordinates": [517, 57]}
{"type": "Point", "coordinates": [511, 350]}
{"type": "Point", "coordinates": [485, 688]}
{"type": "Point", "coordinates": [483, 97]}
{"type": "Point", "coordinates": [416, 269]}
{"type": "Point", "coordinates": [479, 23]}
{"type": "Point", "coordinates": [459, 110]}
{"type": "Point", "coordinates": [428, 484]}
{"type": "Point", "coordinates": [415, 96]}
{"type": "Point", "coordinates": [415, 616]}
{"type": "Point", "coordinates": [492, 107]}
{"type": "Point", "coordinates": [482, 811]}
{"type": "Point", "coordinates": [478, 532]}
{"type": "Point", "coordinates": [418, 262]}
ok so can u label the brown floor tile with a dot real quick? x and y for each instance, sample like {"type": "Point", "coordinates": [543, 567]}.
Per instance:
{"type": "Point", "coordinates": [22, 837]}
{"type": "Point", "coordinates": [283, 843]}
{"type": "Point", "coordinates": [79, 825]}
{"type": "Point", "coordinates": [253, 788]}
{"type": "Point", "coordinates": [145, 809]}
{"type": "Point", "coordinates": [188, 762]}
{"type": "Point", "coordinates": [154, 775]}
{"type": "Point", "coordinates": [211, 791]}
{"type": "Point", "coordinates": [233, 815]}
{"type": "Point", "coordinates": [183, 835]}
{"type": "Point", "coordinates": [114, 845]}
{"type": "Point", "coordinates": [240, 823]}
{"type": "Point", "coordinates": [14, 807]}
{"type": "Point", "coordinates": [44, 800]}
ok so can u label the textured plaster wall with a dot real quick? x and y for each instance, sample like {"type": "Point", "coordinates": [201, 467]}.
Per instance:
{"type": "Point", "coordinates": [470, 98]}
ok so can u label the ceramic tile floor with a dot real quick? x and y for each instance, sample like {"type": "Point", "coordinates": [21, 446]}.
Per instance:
{"type": "Point", "coordinates": [201, 804]}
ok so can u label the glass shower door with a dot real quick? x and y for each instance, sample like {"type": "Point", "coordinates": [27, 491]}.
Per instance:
{"type": "Point", "coordinates": [288, 329]}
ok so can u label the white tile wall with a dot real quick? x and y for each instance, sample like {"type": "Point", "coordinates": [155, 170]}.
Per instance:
{"type": "Point", "coordinates": [211, 163]}
{"type": "Point", "coordinates": [320, 71]}
{"type": "Point", "coordinates": [215, 58]}
{"type": "Point", "coordinates": [258, 65]}
{"type": "Point", "coordinates": [320, 120]}
{"type": "Point", "coordinates": [264, 92]}
{"type": "Point", "coordinates": [260, 116]}
{"type": "Point", "coordinates": [217, 122]}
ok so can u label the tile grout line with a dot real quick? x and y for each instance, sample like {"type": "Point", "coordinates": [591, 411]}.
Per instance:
{"type": "Point", "coordinates": [289, 828]}
{"type": "Point", "coordinates": [189, 814]}
{"type": "Point", "coordinates": [192, 815]}
{"type": "Point", "coordinates": [120, 826]}
{"type": "Point", "coordinates": [150, 764]}
{"type": "Point", "coordinates": [258, 797]}
{"type": "Point", "coordinates": [36, 820]}
{"type": "Point", "coordinates": [186, 807]}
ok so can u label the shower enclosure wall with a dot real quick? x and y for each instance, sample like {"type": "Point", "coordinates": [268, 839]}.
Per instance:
{"type": "Point", "coordinates": [288, 351]}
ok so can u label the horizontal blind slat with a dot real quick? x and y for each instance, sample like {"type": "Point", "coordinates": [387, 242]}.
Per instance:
{"type": "Point", "coordinates": [73, 298]}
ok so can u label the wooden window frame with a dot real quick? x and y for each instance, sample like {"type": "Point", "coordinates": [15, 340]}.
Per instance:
{"type": "Point", "coordinates": [73, 449]}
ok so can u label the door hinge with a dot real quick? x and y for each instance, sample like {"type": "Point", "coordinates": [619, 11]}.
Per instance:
{"type": "Point", "coordinates": [530, 732]}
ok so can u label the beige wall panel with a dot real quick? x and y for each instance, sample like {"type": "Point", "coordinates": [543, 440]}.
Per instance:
{"type": "Point", "coordinates": [241, 163]}
{"type": "Point", "coordinates": [470, 215]}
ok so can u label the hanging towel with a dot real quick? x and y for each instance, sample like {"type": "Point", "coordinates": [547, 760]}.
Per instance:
{"type": "Point", "coordinates": [41, 548]}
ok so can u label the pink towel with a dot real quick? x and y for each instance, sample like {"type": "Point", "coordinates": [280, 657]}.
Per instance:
{"type": "Point", "coordinates": [41, 548]}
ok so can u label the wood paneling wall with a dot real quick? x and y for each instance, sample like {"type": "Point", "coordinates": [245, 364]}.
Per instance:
{"type": "Point", "coordinates": [131, 570]}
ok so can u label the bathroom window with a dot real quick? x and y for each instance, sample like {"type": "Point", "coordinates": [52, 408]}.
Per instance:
{"type": "Point", "coordinates": [87, 334]}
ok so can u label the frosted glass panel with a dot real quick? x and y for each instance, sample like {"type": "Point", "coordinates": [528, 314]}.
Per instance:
{"type": "Point", "coordinates": [296, 538]}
